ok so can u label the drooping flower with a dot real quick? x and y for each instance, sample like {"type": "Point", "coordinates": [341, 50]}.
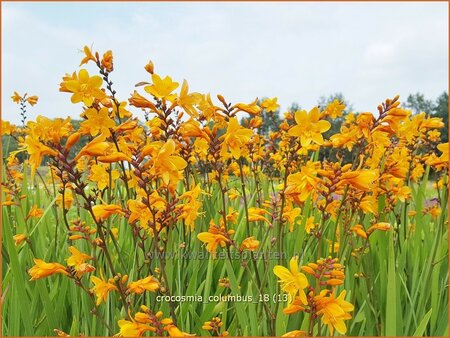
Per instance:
{"type": "Point", "coordinates": [42, 269]}
{"type": "Point", "coordinates": [149, 283]}
{"type": "Point", "coordinates": [19, 239]}
{"type": "Point", "coordinates": [251, 108]}
{"type": "Point", "coordinates": [103, 211]}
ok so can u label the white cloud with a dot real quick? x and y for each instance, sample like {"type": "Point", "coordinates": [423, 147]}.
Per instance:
{"type": "Point", "coordinates": [296, 51]}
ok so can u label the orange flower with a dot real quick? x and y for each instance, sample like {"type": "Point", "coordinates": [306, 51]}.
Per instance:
{"type": "Point", "coordinates": [333, 311]}
{"type": "Point", "coordinates": [98, 121]}
{"type": "Point", "coordinates": [149, 67]}
{"type": "Point", "coordinates": [103, 211]}
{"type": "Point", "coordinates": [292, 280]}
{"type": "Point", "coordinates": [139, 101]}
{"type": "Point", "coordinates": [102, 288]}
{"type": "Point", "coordinates": [270, 105]}
{"type": "Point", "coordinates": [16, 97]}
{"type": "Point", "coordinates": [36, 150]}
{"type": "Point", "coordinates": [383, 226]}
{"type": "Point", "coordinates": [42, 269]}
{"type": "Point", "coordinates": [133, 329]}
{"type": "Point", "coordinates": [173, 330]}
{"type": "Point", "coordinates": [360, 179]}
{"type": "Point", "coordinates": [167, 164]}
{"type": "Point", "coordinates": [97, 147]}
{"type": "Point", "coordinates": [162, 88]}
{"type": "Point", "coordinates": [250, 243]}
{"type": "Point", "coordinates": [84, 88]}
{"type": "Point", "coordinates": [309, 127]}
{"type": "Point", "coordinates": [107, 61]}
{"type": "Point", "coordinates": [77, 258]}
{"type": "Point", "coordinates": [35, 212]}
{"type": "Point", "coordinates": [19, 238]}
{"type": "Point", "coordinates": [213, 238]}
{"type": "Point", "coordinates": [251, 108]}
{"type": "Point", "coordinates": [32, 100]}
{"type": "Point", "coordinates": [235, 138]}
{"type": "Point", "coordinates": [295, 333]}
{"type": "Point", "coordinates": [88, 56]}
{"type": "Point", "coordinates": [188, 101]}
{"type": "Point", "coordinates": [359, 230]}
{"type": "Point", "coordinates": [149, 283]}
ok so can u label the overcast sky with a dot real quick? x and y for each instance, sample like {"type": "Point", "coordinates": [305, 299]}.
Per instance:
{"type": "Point", "coordinates": [295, 51]}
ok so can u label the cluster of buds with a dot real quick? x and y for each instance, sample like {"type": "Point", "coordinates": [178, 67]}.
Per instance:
{"type": "Point", "coordinates": [214, 325]}
{"type": "Point", "coordinates": [359, 230]}
{"type": "Point", "coordinates": [224, 282]}
{"type": "Point", "coordinates": [327, 271]}
{"type": "Point", "coordinates": [80, 230]}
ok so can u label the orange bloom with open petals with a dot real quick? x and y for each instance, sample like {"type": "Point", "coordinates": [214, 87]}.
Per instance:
{"type": "Point", "coordinates": [167, 164]}
{"type": "Point", "coordinates": [235, 138]}
{"type": "Point", "coordinates": [77, 257]}
{"type": "Point", "coordinates": [35, 212]}
{"type": "Point", "coordinates": [213, 238]}
{"type": "Point", "coordinates": [84, 88]}
{"type": "Point", "coordinates": [102, 288]}
{"type": "Point", "coordinates": [292, 280]}
{"type": "Point", "coordinates": [162, 88]}
{"type": "Point", "coordinates": [37, 150]}
{"type": "Point", "coordinates": [334, 311]}
{"type": "Point", "coordinates": [309, 127]}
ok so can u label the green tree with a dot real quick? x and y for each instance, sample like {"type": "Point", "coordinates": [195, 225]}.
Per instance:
{"type": "Point", "coordinates": [441, 110]}
{"type": "Point", "coordinates": [417, 103]}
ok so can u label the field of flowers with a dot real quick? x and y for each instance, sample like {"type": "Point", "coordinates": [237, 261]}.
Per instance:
{"type": "Point", "coordinates": [184, 218]}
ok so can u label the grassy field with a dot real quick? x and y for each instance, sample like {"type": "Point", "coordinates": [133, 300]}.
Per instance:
{"type": "Point", "coordinates": [206, 226]}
